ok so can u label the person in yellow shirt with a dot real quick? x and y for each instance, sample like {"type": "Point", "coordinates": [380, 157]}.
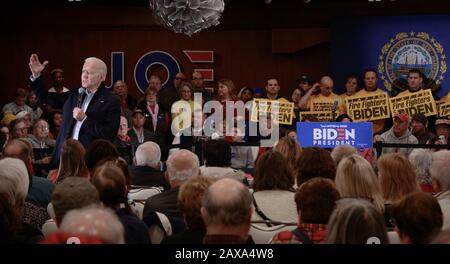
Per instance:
{"type": "Point", "coordinates": [329, 101]}
{"type": "Point", "coordinates": [415, 82]}
{"type": "Point", "coordinates": [371, 88]}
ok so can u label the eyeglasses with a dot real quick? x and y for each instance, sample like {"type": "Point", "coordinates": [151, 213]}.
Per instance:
{"type": "Point", "coordinates": [24, 129]}
{"type": "Point", "coordinates": [42, 127]}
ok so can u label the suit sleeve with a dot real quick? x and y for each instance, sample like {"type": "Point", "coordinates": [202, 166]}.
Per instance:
{"type": "Point", "coordinates": [39, 88]}
{"type": "Point", "coordinates": [107, 125]}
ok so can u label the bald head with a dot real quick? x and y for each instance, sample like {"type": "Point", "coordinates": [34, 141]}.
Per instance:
{"type": "Point", "coordinates": [227, 202]}
{"type": "Point", "coordinates": [326, 85]}
{"type": "Point", "coordinates": [182, 165]}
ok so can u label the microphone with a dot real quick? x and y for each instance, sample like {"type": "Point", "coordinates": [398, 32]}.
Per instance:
{"type": "Point", "coordinates": [81, 92]}
{"type": "Point", "coordinates": [334, 107]}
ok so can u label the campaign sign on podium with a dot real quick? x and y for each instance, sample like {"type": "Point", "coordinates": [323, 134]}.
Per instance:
{"type": "Point", "coordinates": [332, 134]}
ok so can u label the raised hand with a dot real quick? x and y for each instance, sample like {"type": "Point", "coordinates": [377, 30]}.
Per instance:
{"type": "Point", "coordinates": [36, 67]}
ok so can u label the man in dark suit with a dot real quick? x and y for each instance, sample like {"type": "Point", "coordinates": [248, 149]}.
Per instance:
{"type": "Point", "coordinates": [87, 116]}
{"type": "Point", "coordinates": [181, 166]}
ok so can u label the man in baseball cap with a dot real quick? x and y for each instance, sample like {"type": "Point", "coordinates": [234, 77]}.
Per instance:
{"type": "Point", "coordinates": [419, 128]}
{"type": "Point", "coordinates": [399, 133]}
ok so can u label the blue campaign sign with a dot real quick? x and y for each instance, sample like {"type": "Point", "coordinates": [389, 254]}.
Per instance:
{"type": "Point", "coordinates": [332, 134]}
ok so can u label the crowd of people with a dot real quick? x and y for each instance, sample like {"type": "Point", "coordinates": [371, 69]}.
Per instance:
{"type": "Point", "coordinates": [73, 155]}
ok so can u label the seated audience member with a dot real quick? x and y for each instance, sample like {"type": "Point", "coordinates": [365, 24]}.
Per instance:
{"type": "Point", "coordinates": [399, 134]}
{"type": "Point", "coordinates": [355, 178]}
{"type": "Point", "coordinates": [291, 151]}
{"type": "Point", "coordinates": [190, 203]}
{"type": "Point", "coordinates": [356, 221]}
{"type": "Point", "coordinates": [18, 129]}
{"type": "Point", "coordinates": [33, 103]}
{"type": "Point", "coordinates": [138, 134]}
{"type": "Point", "coordinates": [181, 166]}
{"type": "Point", "coordinates": [421, 161]}
{"type": "Point", "coordinates": [342, 151]}
{"type": "Point", "coordinates": [417, 218]}
{"type": "Point", "coordinates": [397, 179]}
{"type": "Point", "coordinates": [419, 129]}
{"type": "Point", "coordinates": [217, 153]}
{"type": "Point", "coordinates": [98, 150]}
{"type": "Point", "coordinates": [40, 189]}
{"type": "Point", "coordinates": [156, 118]}
{"type": "Point", "coordinates": [14, 185]}
{"type": "Point", "coordinates": [55, 123]}
{"type": "Point", "coordinates": [316, 200]}
{"type": "Point", "coordinates": [71, 163]}
{"type": "Point", "coordinates": [315, 162]}
{"type": "Point", "coordinates": [245, 94]}
{"type": "Point", "coordinates": [440, 174]}
{"type": "Point", "coordinates": [273, 192]}
{"type": "Point", "coordinates": [107, 226]}
{"type": "Point", "coordinates": [227, 211]}
{"type": "Point", "coordinates": [119, 163]}
{"type": "Point", "coordinates": [147, 170]}
{"type": "Point", "coordinates": [40, 137]}
{"type": "Point", "coordinates": [73, 193]}
{"type": "Point", "coordinates": [18, 104]}
{"type": "Point", "coordinates": [442, 131]}
{"type": "Point", "coordinates": [112, 189]}
{"type": "Point", "coordinates": [123, 141]}
{"type": "Point", "coordinates": [26, 117]}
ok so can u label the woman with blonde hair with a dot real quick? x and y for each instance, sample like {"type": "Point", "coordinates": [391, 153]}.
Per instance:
{"type": "Point", "coordinates": [291, 150]}
{"type": "Point", "coordinates": [397, 177]}
{"type": "Point", "coordinates": [226, 91]}
{"type": "Point", "coordinates": [355, 178]}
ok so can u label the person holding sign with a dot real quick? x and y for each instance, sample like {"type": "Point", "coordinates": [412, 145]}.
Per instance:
{"type": "Point", "coordinates": [415, 82]}
{"type": "Point", "coordinates": [371, 88]}
{"type": "Point", "coordinates": [326, 100]}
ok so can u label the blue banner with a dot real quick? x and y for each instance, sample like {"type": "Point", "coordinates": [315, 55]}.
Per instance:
{"type": "Point", "coordinates": [392, 46]}
{"type": "Point", "coordinates": [332, 134]}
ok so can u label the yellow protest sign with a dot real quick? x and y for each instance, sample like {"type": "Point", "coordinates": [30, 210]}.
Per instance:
{"type": "Point", "coordinates": [444, 110]}
{"type": "Point", "coordinates": [263, 107]}
{"type": "Point", "coordinates": [322, 116]}
{"type": "Point", "coordinates": [418, 102]}
{"type": "Point", "coordinates": [368, 107]}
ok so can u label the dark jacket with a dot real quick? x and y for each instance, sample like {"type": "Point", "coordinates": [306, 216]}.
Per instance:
{"type": "Point", "coordinates": [102, 117]}
{"type": "Point", "coordinates": [148, 176]}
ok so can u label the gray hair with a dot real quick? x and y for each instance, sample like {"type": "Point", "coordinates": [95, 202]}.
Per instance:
{"type": "Point", "coordinates": [148, 154]}
{"type": "Point", "coordinates": [100, 64]}
{"type": "Point", "coordinates": [356, 221]}
{"type": "Point", "coordinates": [227, 202]}
{"type": "Point", "coordinates": [14, 179]}
{"type": "Point", "coordinates": [440, 168]}
{"type": "Point", "coordinates": [182, 165]}
{"type": "Point", "coordinates": [341, 152]}
{"type": "Point", "coordinates": [94, 221]}
{"type": "Point", "coordinates": [421, 160]}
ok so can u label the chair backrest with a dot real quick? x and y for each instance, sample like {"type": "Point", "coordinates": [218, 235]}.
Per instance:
{"type": "Point", "coordinates": [143, 193]}
{"type": "Point", "coordinates": [49, 227]}
{"type": "Point", "coordinates": [262, 234]}
{"type": "Point", "coordinates": [138, 208]}
{"type": "Point", "coordinates": [158, 232]}
{"type": "Point", "coordinates": [393, 237]}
